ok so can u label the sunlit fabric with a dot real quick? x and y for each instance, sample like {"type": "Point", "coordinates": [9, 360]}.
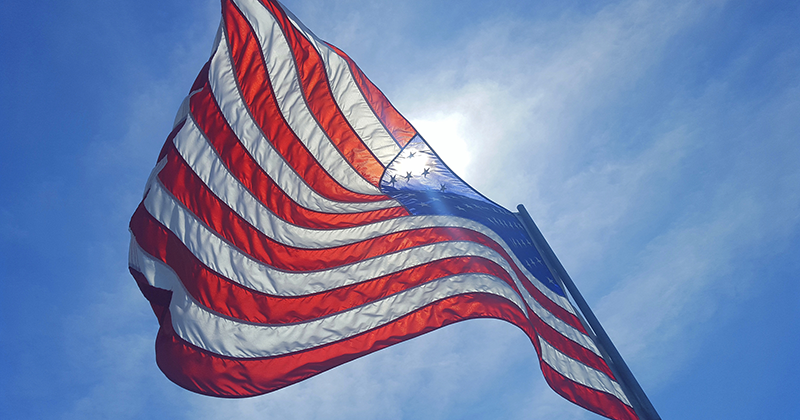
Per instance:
{"type": "Point", "coordinates": [295, 221]}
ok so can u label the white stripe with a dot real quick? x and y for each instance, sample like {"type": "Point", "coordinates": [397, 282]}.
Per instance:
{"type": "Point", "coordinates": [224, 336]}
{"type": "Point", "coordinates": [183, 109]}
{"type": "Point", "coordinates": [206, 164]}
{"type": "Point", "coordinates": [350, 99]}
{"type": "Point", "coordinates": [283, 74]}
{"type": "Point", "coordinates": [247, 132]}
{"type": "Point", "coordinates": [228, 261]}
{"type": "Point", "coordinates": [225, 91]}
{"type": "Point", "coordinates": [562, 327]}
{"type": "Point", "coordinates": [580, 373]}
{"type": "Point", "coordinates": [227, 337]}
{"type": "Point", "coordinates": [155, 271]}
{"type": "Point", "coordinates": [404, 259]}
{"type": "Point", "coordinates": [204, 160]}
{"type": "Point", "coordinates": [159, 202]}
{"type": "Point", "coordinates": [165, 209]}
{"type": "Point", "coordinates": [561, 301]}
{"type": "Point", "coordinates": [250, 273]}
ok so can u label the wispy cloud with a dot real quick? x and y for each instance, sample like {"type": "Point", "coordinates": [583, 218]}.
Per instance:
{"type": "Point", "coordinates": [664, 218]}
{"type": "Point", "coordinates": [667, 213]}
{"type": "Point", "coordinates": [107, 338]}
{"type": "Point", "coordinates": [650, 209]}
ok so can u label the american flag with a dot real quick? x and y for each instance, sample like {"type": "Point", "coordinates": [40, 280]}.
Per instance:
{"type": "Point", "coordinates": [295, 221]}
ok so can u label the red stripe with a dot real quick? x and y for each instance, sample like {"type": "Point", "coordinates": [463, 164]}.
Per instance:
{"type": "Point", "coordinates": [168, 144]}
{"type": "Point", "coordinates": [569, 347]}
{"type": "Point", "coordinates": [179, 179]}
{"type": "Point", "coordinates": [207, 373]}
{"type": "Point", "coordinates": [159, 298]}
{"type": "Point", "coordinates": [257, 93]}
{"type": "Point", "coordinates": [251, 175]}
{"type": "Point", "coordinates": [400, 129]}
{"type": "Point", "coordinates": [222, 295]}
{"type": "Point", "coordinates": [229, 298]}
{"type": "Point", "coordinates": [201, 81]}
{"type": "Point", "coordinates": [317, 91]}
{"type": "Point", "coordinates": [537, 295]}
{"type": "Point", "coordinates": [591, 399]}
{"type": "Point", "coordinates": [548, 304]}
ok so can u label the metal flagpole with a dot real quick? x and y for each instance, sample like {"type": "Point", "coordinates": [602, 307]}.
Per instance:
{"type": "Point", "coordinates": [641, 404]}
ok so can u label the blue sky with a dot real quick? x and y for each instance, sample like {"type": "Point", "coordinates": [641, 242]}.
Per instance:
{"type": "Point", "coordinates": [656, 144]}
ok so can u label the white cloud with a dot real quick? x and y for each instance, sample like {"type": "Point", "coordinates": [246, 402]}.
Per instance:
{"type": "Point", "coordinates": [662, 213]}
{"type": "Point", "coordinates": [528, 94]}
{"type": "Point", "coordinates": [522, 111]}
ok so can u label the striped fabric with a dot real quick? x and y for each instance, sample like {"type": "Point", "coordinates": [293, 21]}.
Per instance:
{"type": "Point", "coordinates": [296, 221]}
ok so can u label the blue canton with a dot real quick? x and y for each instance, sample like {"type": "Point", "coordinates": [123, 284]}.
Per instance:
{"type": "Point", "coordinates": [424, 185]}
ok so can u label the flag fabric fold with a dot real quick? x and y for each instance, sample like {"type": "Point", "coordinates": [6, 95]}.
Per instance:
{"type": "Point", "coordinates": [296, 221]}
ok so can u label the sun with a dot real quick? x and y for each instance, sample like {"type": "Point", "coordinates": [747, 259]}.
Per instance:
{"type": "Point", "coordinates": [444, 135]}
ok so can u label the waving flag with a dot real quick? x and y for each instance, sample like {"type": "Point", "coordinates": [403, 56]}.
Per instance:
{"type": "Point", "coordinates": [296, 221]}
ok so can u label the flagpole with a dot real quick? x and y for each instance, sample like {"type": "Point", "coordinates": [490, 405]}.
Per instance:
{"type": "Point", "coordinates": [641, 404]}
